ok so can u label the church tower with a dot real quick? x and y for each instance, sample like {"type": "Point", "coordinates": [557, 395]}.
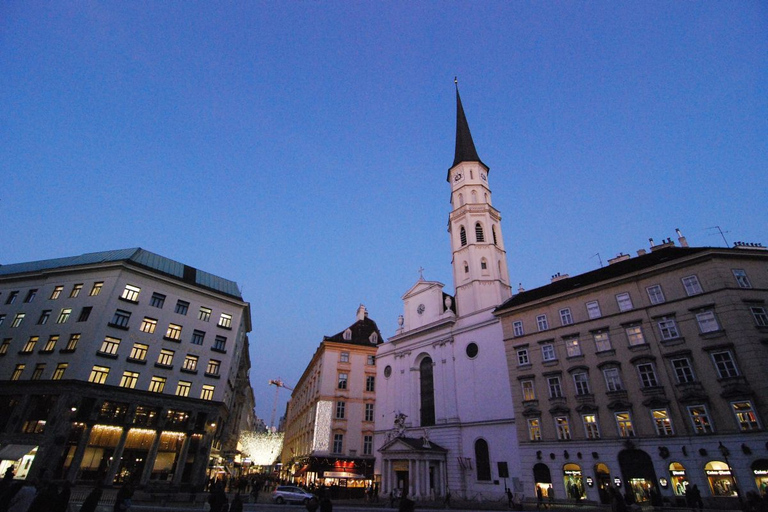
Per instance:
{"type": "Point", "coordinates": [480, 272]}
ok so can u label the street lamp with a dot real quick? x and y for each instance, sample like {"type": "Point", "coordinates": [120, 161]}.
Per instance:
{"type": "Point", "coordinates": [725, 452]}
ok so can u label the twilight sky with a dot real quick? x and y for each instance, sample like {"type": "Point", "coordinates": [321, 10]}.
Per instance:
{"type": "Point", "coordinates": [300, 148]}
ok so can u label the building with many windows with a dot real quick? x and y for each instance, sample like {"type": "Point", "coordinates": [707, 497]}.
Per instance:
{"type": "Point", "coordinates": [647, 374]}
{"type": "Point", "coordinates": [330, 417]}
{"type": "Point", "coordinates": [119, 366]}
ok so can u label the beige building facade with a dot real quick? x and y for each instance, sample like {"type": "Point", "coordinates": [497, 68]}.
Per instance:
{"type": "Point", "coordinates": [646, 375]}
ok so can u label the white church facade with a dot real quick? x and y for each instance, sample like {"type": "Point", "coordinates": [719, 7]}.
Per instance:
{"type": "Point", "coordinates": [445, 420]}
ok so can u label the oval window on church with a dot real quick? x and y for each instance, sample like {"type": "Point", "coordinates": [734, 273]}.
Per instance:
{"type": "Point", "coordinates": [387, 371]}
{"type": "Point", "coordinates": [472, 350]}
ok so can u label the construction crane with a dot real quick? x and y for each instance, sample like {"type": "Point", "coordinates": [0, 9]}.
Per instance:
{"type": "Point", "coordinates": [278, 383]}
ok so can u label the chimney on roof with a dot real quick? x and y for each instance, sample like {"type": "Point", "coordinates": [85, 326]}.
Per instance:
{"type": "Point", "coordinates": [619, 257]}
{"type": "Point", "coordinates": [641, 252]}
{"type": "Point", "coordinates": [681, 239]}
{"type": "Point", "coordinates": [663, 245]}
{"type": "Point", "coordinates": [520, 288]}
{"type": "Point", "coordinates": [559, 277]}
{"type": "Point", "coordinates": [362, 313]}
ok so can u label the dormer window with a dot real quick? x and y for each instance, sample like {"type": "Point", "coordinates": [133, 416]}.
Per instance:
{"type": "Point", "coordinates": [479, 232]}
{"type": "Point", "coordinates": [347, 335]}
{"type": "Point", "coordinates": [373, 338]}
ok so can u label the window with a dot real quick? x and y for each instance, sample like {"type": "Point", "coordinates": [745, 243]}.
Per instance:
{"type": "Point", "coordinates": [529, 392]}
{"type": "Point", "coordinates": [58, 373]}
{"type": "Point", "coordinates": [683, 370]}
{"type": "Point", "coordinates": [338, 443]}
{"type": "Point", "coordinates": [173, 332]}
{"type": "Point", "coordinates": [182, 307]}
{"type": "Point", "coordinates": [16, 375]}
{"type": "Point", "coordinates": [700, 419]}
{"type": "Point", "coordinates": [30, 295]}
{"type": "Point", "coordinates": [18, 319]}
{"type": "Point", "coordinates": [593, 309]}
{"type": "Point", "coordinates": [129, 380]}
{"type": "Point", "coordinates": [139, 352]}
{"type": "Point", "coordinates": [668, 328]}
{"type": "Point", "coordinates": [340, 410]}
{"type": "Point", "coordinates": [548, 352]}
{"type": "Point", "coordinates": [760, 316]}
{"type": "Point", "coordinates": [99, 375]}
{"type": "Point", "coordinates": [190, 363]}
{"type": "Point", "coordinates": [624, 301]}
{"type": "Point", "coordinates": [463, 236]}
{"type": "Point", "coordinates": [565, 316]}
{"type": "Point", "coordinates": [581, 381]}
{"type": "Point", "coordinates": [724, 364]}
{"type": "Point", "coordinates": [72, 343]}
{"type": "Point", "coordinates": [479, 235]}
{"type": "Point", "coordinates": [225, 321]}
{"type": "Point", "coordinates": [534, 429]}
{"type": "Point", "coordinates": [635, 335]}
{"type": "Point", "coordinates": [562, 428]}
{"type": "Point", "coordinates": [624, 424]}
{"type": "Point", "coordinates": [707, 322]}
{"type": "Point", "coordinates": [542, 323]}
{"type": "Point", "coordinates": [207, 392]}
{"type": "Point", "coordinates": [555, 390]}
{"type": "Point", "coordinates": [85, 313]}
{"type": "Point", "coordinates": [213, 367]}
{"type": "Point", "coordinates": [647, 375]}
{"type": "Point", "coordinates": [157, 384]}
{"type": "Point", "coordinates": [466, 267]}
{"type": "Point", "coordinates": [484, 265]}
{"type": "Point", "coordinates": [367, 445]}
{"type": "Point", "coordinates": [75, 291]}
{"type": "Point", "coordinates": [370, 360]}
{"type": "Point", "coordinates": [56, 293]}
{"type": "Point", "coordinates": [120, 319]}
{"type": "Point", "coordinates": [12, 297]}
{"type": "Point", "coordinates": [44, 316]}
{"type": "Point", "coordinates": [157, 300]}
{"type": "Point", "coordinates": [655, 294]}
{"type": "Point", "coordinates": [2, 319]}
{"type": "Point", "coordinates": [368, 412]}
{"type": "Point", "coordinates": [96, 289]}
{"type": "Point", "coordinates": [517, 328]}
{"type": "Point", "coordinates": [51, 343]}
{"type": "Point", "coordinates": [220, 344]}
{"type": "Point", "coordinates": [183, 387]}
{"type": "Point", "coordinates": [612, 379]}
{"type": "Point", "coordinates": [741, 278]}
{"type": "Point", "coordinates": [64, 315]}
{"type": "Point", "coordinates": [4, 346]}
{"type": "Point", "coordinates": [745, 416]}
{"type": "Point", "coordinates": [591, 428]}
{"type": "Point", "coordinates": [204, 314]}
{"type": "Point", "coordinates": [131, 293]}
{"type": "Point", "coordinates": [198, 337]}
{"type": "Point", "coordinates": [427, 392]}
{"type": "Point", "coordinates": [29, 346]}
{"type": "Point", "coordinates": [166, 357]}
{"type": "Point", "coordinates": [110, 345]}
{"type": "Point", "coordinates": [148, 325]}
{"type": "Point", "coordinates": [344, 357]}
{"type": "Point", "coordinates": [343, 381]}
{"type": "Point", "coordinates": [483, 459]}
{"type": "Point", "coordinates": [602, 341]}
{"type": "Point", "coordinates": [370, 383]}
{"type": "Point", "coordinates": [662, 422]}
{"type": "Point", "coordinates": [522, 356]}
{"type": "Point", "coordinates": [572, 347]}
{"type": "Point", "coordinates": [692, 286]}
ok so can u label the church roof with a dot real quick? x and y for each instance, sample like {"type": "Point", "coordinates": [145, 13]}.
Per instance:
{"type": "Point", "coordinates": [465, 146]}
{"type": "Point", "coordinates": [359, 333]}
{"type": "Point", "coordinates": [414, 443]}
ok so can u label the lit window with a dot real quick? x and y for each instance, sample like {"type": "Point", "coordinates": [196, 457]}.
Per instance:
{"type": "Point", "coordinates": [173, 332]}
{"type": "Point", "coordinates": [182, 307]}
{"type": "Point", "coordinates": [624, 424]}
{"type": "Point", "coordinates": [64, 315]}
{"type": "Point", "coordinates": [542, 322]}
{"type": "Point", "coordinates": [29, 346]}
{"type": "Point", "coordinates": [573, 347]}
{"type": "Point", "coordinates": [121, 319]}
{"type": "Point", "coordinates": [58, 373]}
{"type": "Point", "coordinates": [166, 357]}
{"type": "Point", "coordinates": [51, 343]}
{"type": "Point", "coordinates": [565, 316]}
{"type": "Point", "coordinates": [368, 412]}
{"type": "Point", "coordinates": [129, 380]}
{"type": "Point", "coordinates": [18, 319]}
{"type": "Point", "coordinates": [75, 291]}
{"type": "Point", "coordinates": [205, 314]}
{"type": "Point", "coordinates": [647, 374]}
{"type": "Point", "coordinates": [96, 289]}
{"type": "Point", "coordinates": [517, 327]}
{"type": "Point", "coordinates": [707, 322]}
{"type": "Point", "coordinates": [225, 321]}
{"type": "Point", "coordinates": [700, 419]}
{"type": "Point", "coordinates": [529, 392]}
{"type": "Point", "coordinates": [190, 363]}
{"type": "Point", "coordinates": [85, 313]}
{"type": "Point", "coordinates": [692, 286]}
{"type": "Point", "coordinates": [591, 428]}
{"type": "Point", "coordinates": [4, 346]}
{"type": "Point", "coordinates": [207, 392]}
{"type": "Point", "coordinates": [31, 294]}
{"type": "Point", "coordinates": [213, 367]}
{"type": "Point", "coordinates": [655, 294]}
{"type": "Point", "coordinates": [662, 422]}
{"type": "Point", "coordinates": [220, 344]}
{"type": "Point", "coordinates": [555, 390]}
{"type": "Point", "coordinates": [157, 300]}
{"type": "Point", "coordinates": [683, 370]}
{"type": "Point", "coordinates": [16, 375]}
{"type": "Point", "coordinates": [56, 293]}
{"type": "Point", "coordinates": [760, 316]}
{"type": "Point", "coordinates": [602, 341]}
{"type": "Point", "coordinates": [724, 364]}
{"type": "Point", "coordinates": [198, 337]}
{"type": "Point", "coordinates": [157, 384]}
{"type": "Point", "coordinates": [593, 309]}
{"type": "Point", "coordinates": [148, 325]}
{"type": "Point", "coordinates": [668, 328]}
{"type": "Point", "coordinates": [522, 357]}
{"type": "Point", "coordinates": [624, 301]}
{"type": "Point", "coordinates": [548, 352]}
{"type": "Point", "coordinates": [562, 427]}
{"type": "Point", "coordinates": [370, 383]}
{"type": "Point", "coordinates": [534, 429]}
{"type": "Point", "coordinates": [745, 416]}
{"type": "Point", "coordinates": [99, 375]}
{"type": "Point", "coordinates": [72, 343]}
{"type": "Point", "coordinates": [741, 278]}
{"type": "Point", "coordinates": [340, 410]}
{"type": "Point", "coordinates": [343, 381]}
{"type": "Point", "coordinates": [139, 352]}
{"type": "Point", "coordinates": [131, 293]}
{"type": "Point", "coordinates": [344, 357]}
{"type": "Point", "coordinates": [612, 379]}
{"type": "Point", "coordinates": [635, 335]}
{"type": "Point", "coordinates": [581, 381]}
{"type": "Point", "coordinates": [367, 445]}
{"type": "Point", "coordinates": [12, 297]}
{"type": "Point", "coordinates": [110, 345]}
{"type": "Point", "coordinates": [338, 443]}
{"type": "Point", "coordinates": [183, 387]}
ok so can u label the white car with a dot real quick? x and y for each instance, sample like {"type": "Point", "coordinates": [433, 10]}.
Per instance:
{"type": "Point", "coordinates": [291, 494]}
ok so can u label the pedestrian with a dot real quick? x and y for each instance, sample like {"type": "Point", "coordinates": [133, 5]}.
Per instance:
{"type": "Point", "coordinates": [123, 498]}
{"type": "Point", "coordinates": [312, 504]}
{"type": "Point", "coordinates": [510, 498]}
{"type": "Point", "coordinates": [326, 505]}
{"type": "Point", "coordinates": [696, 500]}
{"type": "Point", "coordinates": [92, 500]}
{"type": "Point", "coordinates": [45, 499]}
{"type": "Point", "coordinates": [539, 497]}
{"type": "Point", "coordinates": [218, 498]}
{"type": "Point", "coordinates": [237, 504]}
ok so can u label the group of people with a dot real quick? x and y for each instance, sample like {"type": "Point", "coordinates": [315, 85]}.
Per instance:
{"type": "Point", "coordinates": [39, 496]}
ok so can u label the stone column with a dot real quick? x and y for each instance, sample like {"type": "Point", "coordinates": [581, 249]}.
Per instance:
{"type": "Point", "coordinates": [77, 458]}
{"type": "Point", "coordinates": [117, 456]}
{"type": "Point", "coordinates": [150, 460]}
{"type": "Point", "coordinates": [181, 461]}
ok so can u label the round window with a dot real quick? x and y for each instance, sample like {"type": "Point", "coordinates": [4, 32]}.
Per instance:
{"type": "Point", "coordinates": [472, 350]}
{"type": "Point", "coordinates": [387, 371]}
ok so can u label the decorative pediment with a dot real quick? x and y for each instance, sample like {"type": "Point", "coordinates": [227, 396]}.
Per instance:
{"type": "Point", "coordinates": [618, 405]}
{"type": "Point", "coordinates": [656, 402]}
{"type": "Point", "coordinates": [531, 412]}
{"type": "Point", "coordinates": [559, 409]}
{"type": "Point", "coordinates": [739, 390]}
{"type": "Point", "coordinates": [586, 408]}
{"type": "Point", "coordinates": [420, 287]}
{"type": "Point", "coordinates": [411, 445]}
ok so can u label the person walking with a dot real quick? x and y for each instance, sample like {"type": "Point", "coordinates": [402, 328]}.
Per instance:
{"type": "Point", "coordinates": [92, 500]}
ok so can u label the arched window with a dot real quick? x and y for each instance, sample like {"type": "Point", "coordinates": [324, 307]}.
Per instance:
{"type": "Point", "coordinates": [479, 232]}
{"type": "Point", "coordinates": [427, 393]}
{"type": "Point", "coordinates": [493, 231]}
{"type": "Point", "coordinates": [474, 197]}
{"type": "Point", "coordinates": [461, 199]}
{"type": "Point", "coordinates": [463, 236]}
{"type": "Point", "coordinates": [483, 459]}
{"type": "Point", "coordinates": [484, 266]}
{"type": "Point", "coordinates": [466, 267]}
{"type": "Point", "coordinates": [485, 196]}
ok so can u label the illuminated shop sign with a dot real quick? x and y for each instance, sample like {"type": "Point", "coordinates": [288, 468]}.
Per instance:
{"type": "Point", "coordinates": [718, 472]}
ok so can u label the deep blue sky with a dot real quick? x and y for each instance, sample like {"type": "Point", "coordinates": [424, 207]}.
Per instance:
{"type": "Point", "coordinates": [301, 148]}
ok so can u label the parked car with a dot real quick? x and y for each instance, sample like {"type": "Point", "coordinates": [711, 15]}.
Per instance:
{"type": "Point", "coordinates": [291, 494]}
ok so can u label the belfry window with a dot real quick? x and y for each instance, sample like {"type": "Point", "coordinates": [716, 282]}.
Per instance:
{"type": "Point", "coordinates": [479, 232]}
{"type": "Point", "coordinates": [463, 236]}
{"type": "Point", "coordinates": [493, 232]}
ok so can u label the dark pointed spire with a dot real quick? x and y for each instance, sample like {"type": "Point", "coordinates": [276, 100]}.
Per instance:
{"type": "Point", "coordinates": [465, 147]}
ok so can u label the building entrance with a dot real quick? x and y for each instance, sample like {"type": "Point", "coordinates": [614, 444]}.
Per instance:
{"type": "Point", "coordinates": [637, 470]}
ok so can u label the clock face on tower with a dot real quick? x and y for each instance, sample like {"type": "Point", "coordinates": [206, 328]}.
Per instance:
{"type": "Point", "coordinates": [483, 176]}
{"type": "Point", "coordinates": [457, 177]}
{"type": "Point", "coordinates": [420, 309]}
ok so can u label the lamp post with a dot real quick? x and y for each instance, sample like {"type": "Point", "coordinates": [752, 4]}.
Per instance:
{"type": "Point", "coordinates": [725, 452]}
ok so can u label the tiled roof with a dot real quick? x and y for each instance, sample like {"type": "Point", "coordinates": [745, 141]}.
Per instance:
{"type": "Point", "coordinates": [361, 333]}
{"type": "Point", "coordinates": [136, 256]}
{"type": "Point", "coordinates": [465, 146]}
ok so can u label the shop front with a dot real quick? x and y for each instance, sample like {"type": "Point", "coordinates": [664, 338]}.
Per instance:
{"type": "Point", "coordinates": [573, 482]}
{"type": "Point", "coordinates": [760, 471]}
{"type": "Point", "coordinates": [603, 477]}
{"type": "Point", "coordinates": [542, 480]}
{"type": "Point", "coordinates": [19, 457]}
{"type": "Point", "coordinates": [678, 479]}
{"type": "Point", "coordinates": [721, 480]}
{"type": "Point", "coordinates": [639, 475]}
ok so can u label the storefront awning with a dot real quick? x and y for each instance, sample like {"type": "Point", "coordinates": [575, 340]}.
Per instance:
{"type": "Point", "coordinates": [15, 451]}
